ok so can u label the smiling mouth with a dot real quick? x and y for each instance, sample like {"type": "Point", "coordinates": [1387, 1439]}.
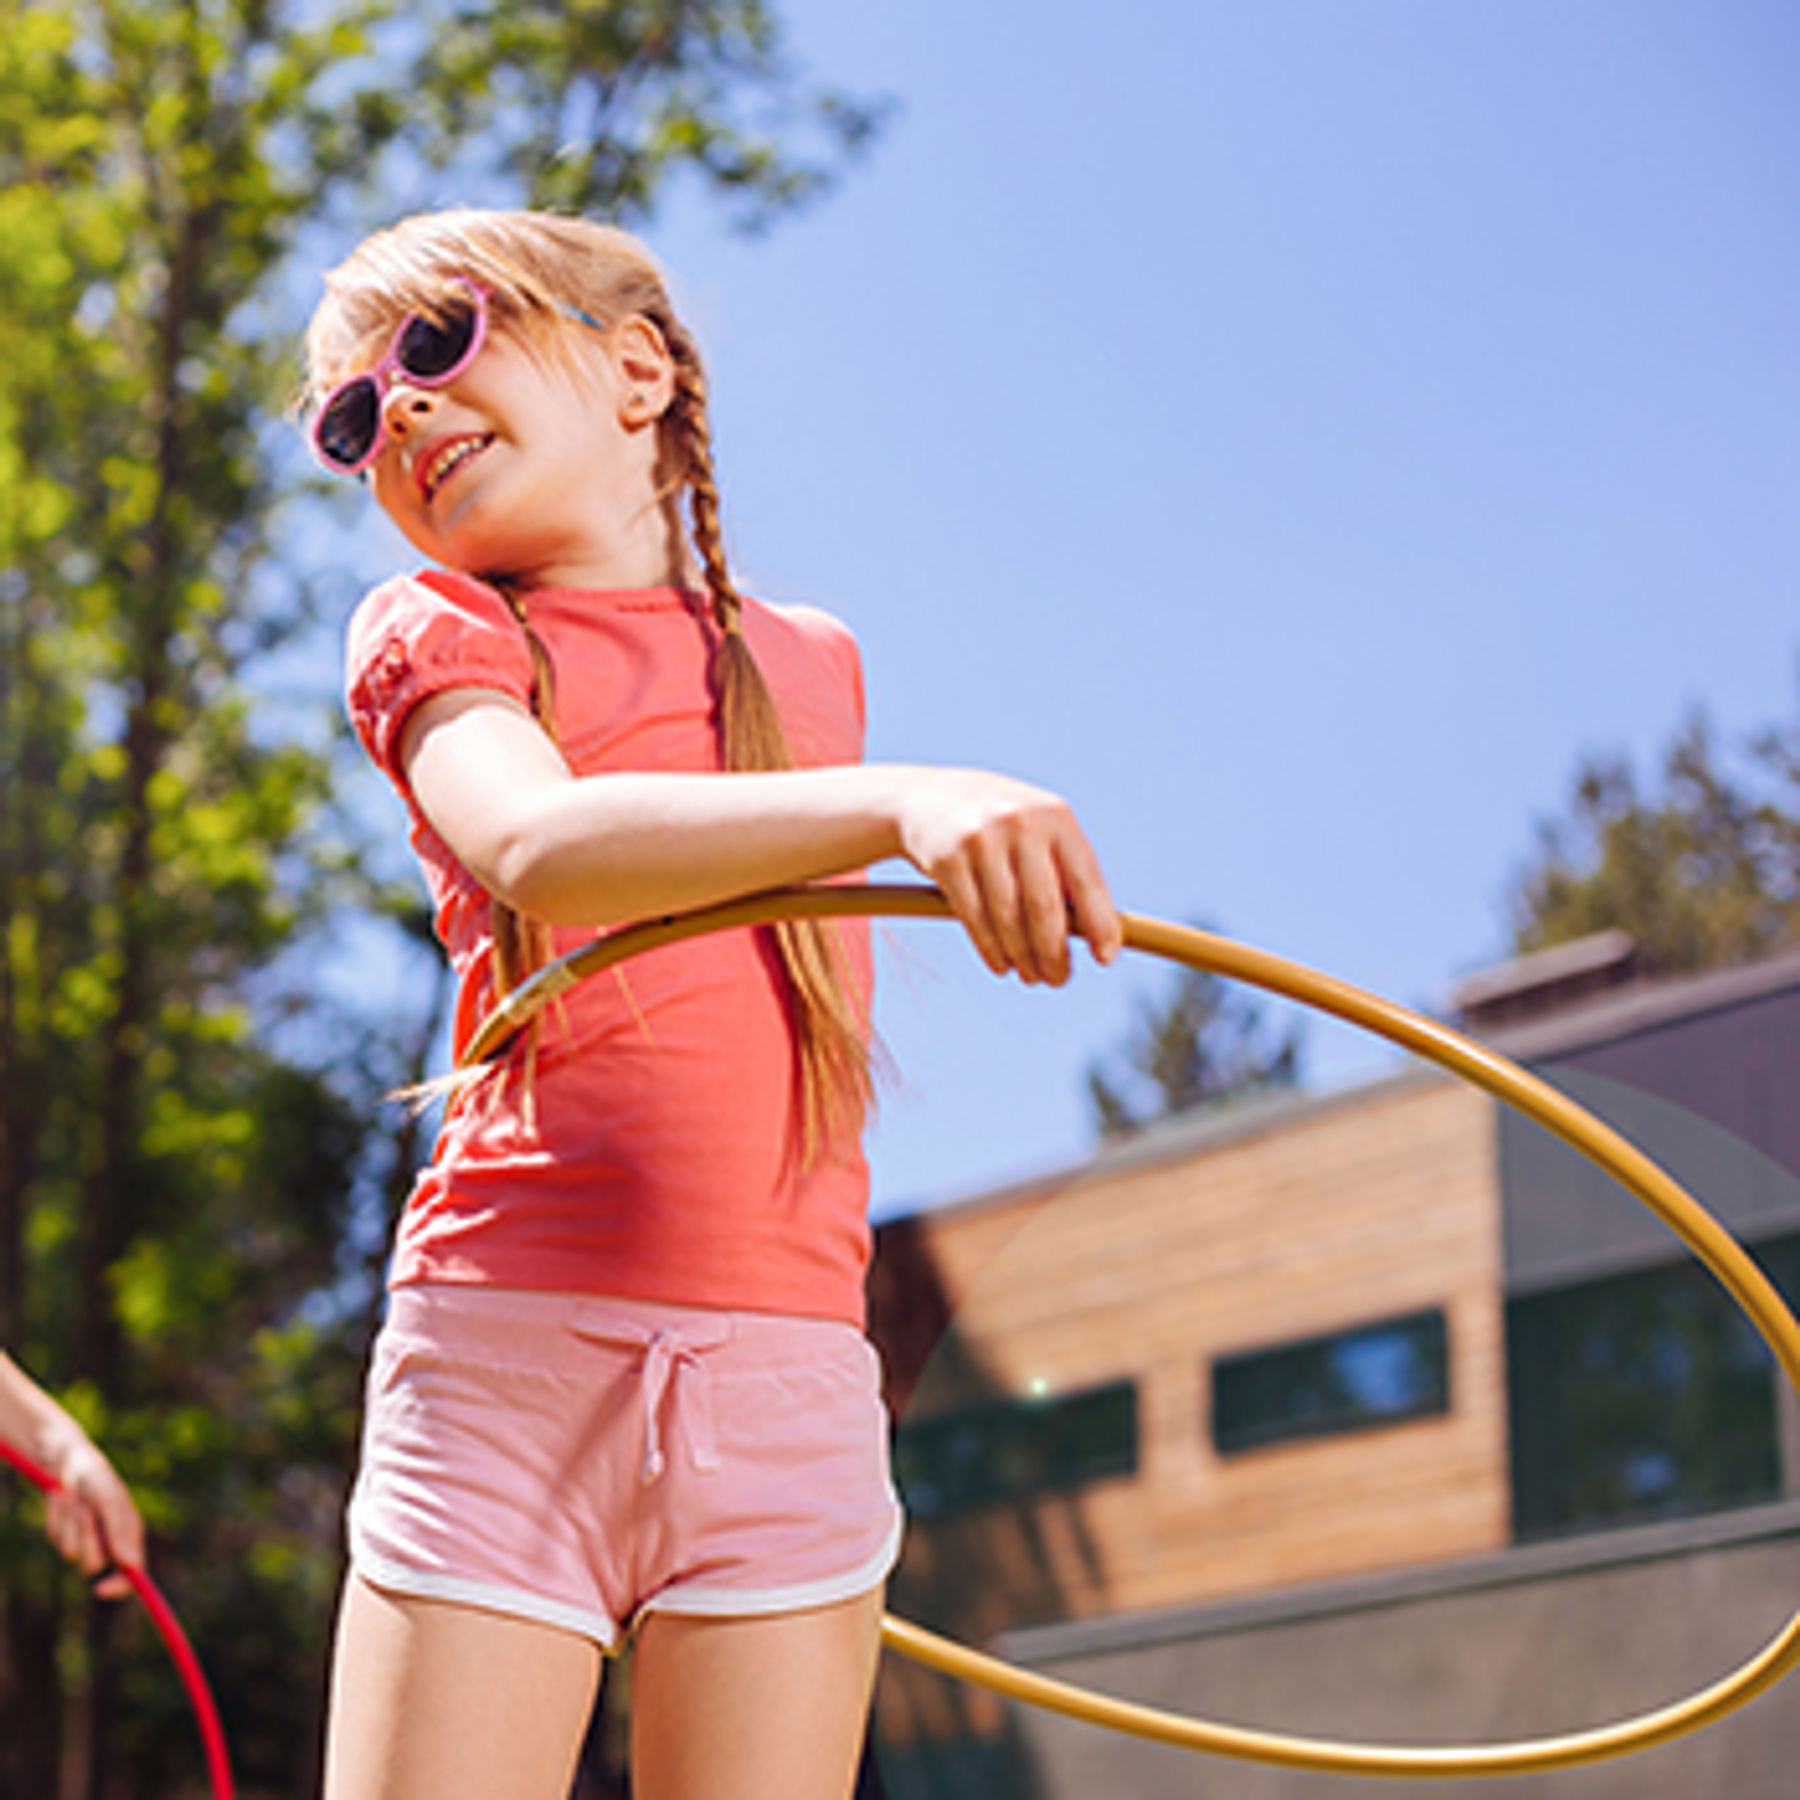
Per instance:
{"type": "Point", "coordinates": [446, 461]}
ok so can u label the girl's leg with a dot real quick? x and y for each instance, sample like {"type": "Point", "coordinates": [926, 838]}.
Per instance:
{"type": "Point", "coordinates": [433, 1701]}
{"type": "Point", "coordinates": [753, 1709]}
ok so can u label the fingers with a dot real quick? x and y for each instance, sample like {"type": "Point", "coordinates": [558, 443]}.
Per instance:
{"type": "Point", "coordinates": [93, 1521]}
{"type": "Point", "coordinates": [1043, 916]}
{"type": "Point", "coordinates": [956, 878]}
{"type": "Point", "coordinates": [1090, 900]}
{"type": "Point", "coordinates": [1020, 882]}
{"type": "Point", "coordinates": [74, 1529]}
{"type": "Point", "coordinates": [120, 1529]}
{"type": "Point", "coordinates": [1005, 891]}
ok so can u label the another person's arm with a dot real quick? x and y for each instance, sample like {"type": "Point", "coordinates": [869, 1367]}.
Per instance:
{"type": "Point", "coordinates": [91, 1519]}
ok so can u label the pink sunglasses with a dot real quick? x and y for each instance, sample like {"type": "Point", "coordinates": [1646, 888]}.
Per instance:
{"type": "Point", "coordinates": [348, 433]}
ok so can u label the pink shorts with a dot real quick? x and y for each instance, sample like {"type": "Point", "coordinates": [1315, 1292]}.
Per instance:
{"type": "Point", "coordinates": [581, 1461]}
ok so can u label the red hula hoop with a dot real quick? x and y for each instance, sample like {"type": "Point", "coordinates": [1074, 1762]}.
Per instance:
{"type": "Point", "coordinates": [181, 1652]}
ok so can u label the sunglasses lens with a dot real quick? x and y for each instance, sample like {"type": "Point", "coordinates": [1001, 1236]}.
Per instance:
{"type": "Point", "coordinates": [346, 427]}
{"type": "Point", "coordinates": [429, 349]}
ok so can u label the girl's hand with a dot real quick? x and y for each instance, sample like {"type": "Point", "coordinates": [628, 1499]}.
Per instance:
{"type": "Point", "coordinates": [92, 1518]}
{"type": "Point", "coordinates": [1016, 868]}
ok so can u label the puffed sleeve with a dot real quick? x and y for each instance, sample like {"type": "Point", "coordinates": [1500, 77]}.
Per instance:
{"type": "Point", "coordinates": [833, 652]}
{"type": "Point", "coordinates": [416, 636]}
{"type": "Point", "coordinates": [849, 659]}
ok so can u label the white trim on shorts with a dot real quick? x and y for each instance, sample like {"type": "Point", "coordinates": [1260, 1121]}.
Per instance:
{"type": "Point", "coordinates": [722, 1603]}
{"type": "Point", "coordinates": [678, 1602]}
{"type": "Point", "coordinates": [515, 1603]}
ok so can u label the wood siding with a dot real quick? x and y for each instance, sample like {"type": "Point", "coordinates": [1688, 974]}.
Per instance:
{"type": "Point", "coordinates": [1338, 1213]}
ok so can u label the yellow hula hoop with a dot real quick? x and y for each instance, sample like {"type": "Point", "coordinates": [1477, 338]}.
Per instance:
{"type": "Point", "coordinates": [1507, 1082]}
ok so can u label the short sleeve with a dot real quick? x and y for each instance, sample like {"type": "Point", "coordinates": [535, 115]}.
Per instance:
{"type": "Point", "coordinates": [847, 654]}
{"type": "Point", "coordinates": [836, 646]}
{"type": "Point", "coordinates": [416, 636]}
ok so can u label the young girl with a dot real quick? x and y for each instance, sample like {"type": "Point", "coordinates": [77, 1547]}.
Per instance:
{"type": "Point", "coordinates": [90, 1518]}
{"type": "Point", "coordinates": [622, 1386]}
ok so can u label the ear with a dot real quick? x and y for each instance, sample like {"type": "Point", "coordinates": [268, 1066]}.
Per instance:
{"type": "Point", "coordinates": [645, 368]}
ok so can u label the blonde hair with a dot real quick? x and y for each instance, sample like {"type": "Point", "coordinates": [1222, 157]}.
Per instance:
{"type": "Point", "coordinates": [536, 267]}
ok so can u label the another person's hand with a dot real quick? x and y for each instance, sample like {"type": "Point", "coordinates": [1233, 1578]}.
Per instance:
{"type": "Point", "coordinates": [92, 1518]}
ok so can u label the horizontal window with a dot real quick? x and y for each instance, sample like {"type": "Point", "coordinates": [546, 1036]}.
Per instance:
{"type": "Point", "coordinates": [1011, 1449]}
{"type": "Point", "coordinates": [1376, 1374]}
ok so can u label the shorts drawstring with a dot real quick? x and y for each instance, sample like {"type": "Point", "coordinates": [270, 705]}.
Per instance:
{"type": "Point", "coordinates": [665, 1353]}
{"type": "Point", "coordinates": [673, 1369]}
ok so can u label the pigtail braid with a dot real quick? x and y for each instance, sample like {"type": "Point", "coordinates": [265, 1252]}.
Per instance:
{"type": "Point", "coordinates": [836, 1081]}
{"type": "Point", "coordinates": [522, 944]}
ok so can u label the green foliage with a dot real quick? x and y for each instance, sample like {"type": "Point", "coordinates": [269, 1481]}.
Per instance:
{"type": "Point", "coordinates": [1701, 865]}
{"type": "Point", "coordinates": [1206, 1043]}
{"type": "Point", "coordinates": [595, 103]}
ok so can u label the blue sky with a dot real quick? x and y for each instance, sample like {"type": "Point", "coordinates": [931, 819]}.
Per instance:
{"type": "Point", "coordinates": [1296, 432]}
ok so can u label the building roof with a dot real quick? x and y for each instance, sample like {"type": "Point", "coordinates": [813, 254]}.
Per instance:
{"type": "Point", "coordinates": [1644, 1004]}
{"type": "Point", "coordinates": [1600, 1015]}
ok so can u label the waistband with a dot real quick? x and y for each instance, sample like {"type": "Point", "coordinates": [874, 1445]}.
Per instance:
{"type": "Point", "coordinates": [675, 1344]}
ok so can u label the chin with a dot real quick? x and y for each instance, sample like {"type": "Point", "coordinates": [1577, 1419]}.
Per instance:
{"type": "Point", "coordinates": [471, 539]}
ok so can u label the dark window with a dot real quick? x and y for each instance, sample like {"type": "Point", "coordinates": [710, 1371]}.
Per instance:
{"type": "Point", "coordinates": [1641, 1396]}
{"type": "Point", "coordinates": [1375, 1374]}
{"type": "Point", "coordinates": [1780, 1259]}
{"type": "Point", "coordinates": [1010, 1449]}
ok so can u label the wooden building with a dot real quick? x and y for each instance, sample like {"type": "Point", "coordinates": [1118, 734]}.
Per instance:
{"type": "Point", "coordinates": [1333, 1345]}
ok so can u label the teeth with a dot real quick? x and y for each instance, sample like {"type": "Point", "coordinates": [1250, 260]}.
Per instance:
{"type": "Point", "coordinates": [447, 459]}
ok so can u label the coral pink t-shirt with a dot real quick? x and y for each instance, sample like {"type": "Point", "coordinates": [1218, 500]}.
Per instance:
{"type": "Point", "coordinates": [660, 1158]}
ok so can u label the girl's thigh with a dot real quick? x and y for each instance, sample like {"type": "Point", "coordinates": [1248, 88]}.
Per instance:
{"type": "Point", "coordinates": [753, 1708]}
{"type": "Point", "coordinates": [435, 1701]}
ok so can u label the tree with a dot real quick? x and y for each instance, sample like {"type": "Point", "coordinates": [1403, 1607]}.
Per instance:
{"type": "Point", "coordinates": [170, 1186]}
{"type": "Point", "coordinates": [1701, 866]}
{"type": "Point", "coordinates": [1206, 1043]}
{"type": "Point", "coordinates": [596, 103]}
{"type": "Point", "coordinates": [189, 1159]}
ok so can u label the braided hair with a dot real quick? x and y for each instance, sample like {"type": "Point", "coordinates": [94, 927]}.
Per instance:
{"type": "Point", "coordinates": [536, 267]}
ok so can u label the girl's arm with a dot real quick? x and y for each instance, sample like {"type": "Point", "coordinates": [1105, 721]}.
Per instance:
{"type": "Point", "coordinates": [1010, 858]}
{"type": "Point", "coordinates": [91, 1519]}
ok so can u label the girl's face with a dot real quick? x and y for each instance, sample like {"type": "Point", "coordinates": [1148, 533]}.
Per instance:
{"type": "Point", "coordinates": [534, 466]}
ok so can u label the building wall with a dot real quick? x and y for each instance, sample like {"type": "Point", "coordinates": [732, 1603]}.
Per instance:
{"type": "Point", "coordinates": [1531, 1643]}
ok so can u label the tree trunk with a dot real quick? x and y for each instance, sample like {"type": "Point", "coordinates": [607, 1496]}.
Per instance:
{"type": "Point", "coordinates": [30, 1702]}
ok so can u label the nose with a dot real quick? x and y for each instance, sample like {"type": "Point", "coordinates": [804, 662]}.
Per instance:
{"type": "Point", "coordinates": [404, 407]}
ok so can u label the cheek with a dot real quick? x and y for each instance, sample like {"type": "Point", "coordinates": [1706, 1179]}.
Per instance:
{"type": "Point", "coordinates": [392, 491]}
{"type": "Point", "coordinates": [541, 399]}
